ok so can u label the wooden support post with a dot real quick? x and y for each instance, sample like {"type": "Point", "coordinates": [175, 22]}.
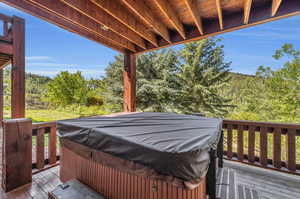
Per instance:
{"type": "Point", "coordinates": [1, 96]}
{"type": "Point", "coordinates": [129, 82]}
{"type": "Point", "coordinates": [18, 69]}
{"type": "Point", "coordinates": [17, 153]}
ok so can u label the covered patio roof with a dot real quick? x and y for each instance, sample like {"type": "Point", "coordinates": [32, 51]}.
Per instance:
{"type": "Point", "coordinates": [138, 26]}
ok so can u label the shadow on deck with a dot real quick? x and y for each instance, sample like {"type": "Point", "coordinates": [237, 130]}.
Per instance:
{"type": "Point", "coordinates": [235, 181]}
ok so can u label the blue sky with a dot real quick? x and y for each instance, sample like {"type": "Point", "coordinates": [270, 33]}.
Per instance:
{"type": "Point", "coordinates": [50, 49]}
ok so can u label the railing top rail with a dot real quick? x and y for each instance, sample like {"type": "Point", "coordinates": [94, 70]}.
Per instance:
{"type": "Point", "coordinates": [5, 18]}
{"type": "Point", "coordinates": [262, 124]}
{"type": "Point", "coordinates": [43, 125]}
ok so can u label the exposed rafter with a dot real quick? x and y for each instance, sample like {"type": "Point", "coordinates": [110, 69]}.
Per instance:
{"type": "Point", "coordinates": [193, 8]}
{"type": "Point", "coordinates": [58, 8]}
{"type": "Point", "coordinates": [119, 12]}
{"type": "Point", "coordinates": [220, 15]}
{"type": "Point", "coordinates": [247, 10]}
{"type": "Point", "coordinates": [145, 13]}
{"type": "Point", "coordinates": [41, 13]}
{"type": "Point", "coordinates": [275, 6]}
{"type": "Point", "coordinates": [171, 15]}
{"type": "Point", "coordinates": [94, 12]}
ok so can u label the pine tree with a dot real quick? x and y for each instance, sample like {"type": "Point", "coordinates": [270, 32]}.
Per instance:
{"type": "Point", "coordinates": [203, 74]}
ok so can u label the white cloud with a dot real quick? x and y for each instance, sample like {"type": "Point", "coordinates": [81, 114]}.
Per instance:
{"type": "Point", "coordinates": [88, 73]}
{"type": "Point", "coordinates": [39, 58]}
{"type": "Point", "coordinates": [49, 64]}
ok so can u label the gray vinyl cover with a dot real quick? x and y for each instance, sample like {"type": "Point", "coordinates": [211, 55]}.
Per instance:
{"type": "Point", "coordinates": [172, 144]}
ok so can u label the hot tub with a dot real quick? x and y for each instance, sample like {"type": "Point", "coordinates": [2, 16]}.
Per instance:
{"type": "Point", "coordinates": [140, 155]}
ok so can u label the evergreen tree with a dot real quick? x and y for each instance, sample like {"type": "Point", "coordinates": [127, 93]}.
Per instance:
{"type": "Point", "coordinates": [202, 76]}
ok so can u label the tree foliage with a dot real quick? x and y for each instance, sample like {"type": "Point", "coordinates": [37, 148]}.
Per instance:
{"type": "Point", "coordinates": [186, 80]}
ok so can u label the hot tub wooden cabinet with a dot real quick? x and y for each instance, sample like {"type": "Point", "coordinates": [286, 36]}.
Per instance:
{"type": "Point", "coordinates": [116, 184]}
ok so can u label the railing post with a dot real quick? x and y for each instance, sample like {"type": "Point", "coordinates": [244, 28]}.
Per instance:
{"type": "Point", "coordinates": [17, 153]}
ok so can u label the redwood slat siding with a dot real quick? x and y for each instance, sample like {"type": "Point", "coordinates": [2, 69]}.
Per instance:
{"type": "Point", "coordinates": [291, 149]}
{"type": "Point", "coordinates": [115, 184]}
{"type": "Point", "coordinates": [262, 129]}
{"type": "Point", "coordinates": [40, 149]}
{"type": "Point", "coordinates": [251, 143]}
{"type": "Point", "coordinates": [277, 148]}
{"type": "Point", "coordinates": [263, 146]}
{"type": "Point", "coordinates": [240, 143]}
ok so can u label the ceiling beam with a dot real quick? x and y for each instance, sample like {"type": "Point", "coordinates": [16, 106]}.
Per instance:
{"type": "Point", "coordinates": [247, 10]}
{"type": "Point", "coordinates": [58, 8]}
{"type": "Point", "coordinates": [67, 25]}
{"type": "Point", "coordinates": [92, 11]}
{"type": "Point", "coordinates": [220, 15]}
{"type": "Point", "coordinates": [193, 8]}
{"type": "Point", "coordinates": [260, 14]}
{"type": "Point", "coordinates": [118, 11]}
{"type": "Point", "coordinates": [145, 13]}
{"type": "Point", "coordinates": [171, 15]}
{"type": "Point", "coordinates": [275, 6]}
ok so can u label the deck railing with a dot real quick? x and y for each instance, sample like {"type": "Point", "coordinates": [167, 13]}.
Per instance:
{"type": "Point", "coordinates": [264, 144]}
{"type": "Point", "coordinates": [5, 21]}
{"type": "Point", "coordinates": [44, 150]}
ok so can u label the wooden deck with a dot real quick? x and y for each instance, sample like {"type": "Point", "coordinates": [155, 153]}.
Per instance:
{"type": "Point", "coordinates": [235, 181]}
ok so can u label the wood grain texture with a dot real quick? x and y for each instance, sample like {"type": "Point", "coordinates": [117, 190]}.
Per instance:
{"type": "Point", "coordinates": [166, 8]}
{"type": "Point", "coordinates": [18, 69]}
{"type": "Point", "coordinates": [263, 140]}
{"type": "Point", "coordinates": [247, 10]}
{"type": "Point", "coordinates": [40, 149]}
{"type": "Point", "coordinates": [106, 181]}
{"type": "Point", "coordinates": [129, 78]}
{"type": "Point", "coordinates": [229, 141]}
{"type": "Point", "coordinates": [291, 149]}
{"type": "Point", "coordinates": [144, 13]}
{"type": "Point", "coordinates": [92, 11]}
{"type": "Point", "coordinates": [118, 11]}
{"type": "Point", "coordinates": [275, 6]}
{"type": "Point", "coordinates": [251, 143]}
{"type": "Point", "coordinates": [17, 153]}
{"type": "Point", "coordinates": [220, 14]}
{"type": "Point", "coordinates": [240, 143]}
{"type": "Point", "coordinates": [52, 146]}
{"type": "Point", "coordinates": [60, 9]}
{"type": "Point", "coordinates": [195, 13]}
{"type": "Point", "coordinates": [277, 148]}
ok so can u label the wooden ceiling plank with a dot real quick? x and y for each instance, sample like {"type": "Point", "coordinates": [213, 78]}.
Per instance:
{"type": "Point", "coordinates": [119, 12]}
{"type": "Point", "coordinates": [247, 10]}
{"type": "Point", "coordinates": [275, 6]}
{"type": "Point", "coordinates": [171, 15]}
{"type": "Point", "coordinates": [92, 11]}
{"type": "Point", "coordinates": [56, 20]}
{"type": "Point", "coordinates": [145, 13]}
{"type": "Point", "coordinates": [220, 15]}
{"type": "Point", "coordinates": [193, 8]}
{"type": "Point", "coordinates": [68, 13]}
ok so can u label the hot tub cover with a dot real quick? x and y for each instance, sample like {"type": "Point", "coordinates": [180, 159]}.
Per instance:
{"type": "Point", "coordinates": [172, 144]}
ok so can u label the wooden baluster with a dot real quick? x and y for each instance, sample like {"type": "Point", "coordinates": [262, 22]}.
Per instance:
{"type": "Point", "coordinates": [52, 146]}
{"type": "Point", "coordinates": [251, 143]}
{"type": "Point", "coordinates": [263, 146]}
{"type": "Point", "coordinates": [40, 149]}
{"type": "Point", "coordinates": [240, 144]}
{"type": "Point", "coordinates": [229, 141]}
{"type": "Point", "coordinates": [277, 148]}
{"type": "Point", "coordinates": [291, 149]}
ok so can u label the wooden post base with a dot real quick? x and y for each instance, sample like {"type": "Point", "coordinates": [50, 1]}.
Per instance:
{"type": "Point", "coordinates": [17, 154]}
